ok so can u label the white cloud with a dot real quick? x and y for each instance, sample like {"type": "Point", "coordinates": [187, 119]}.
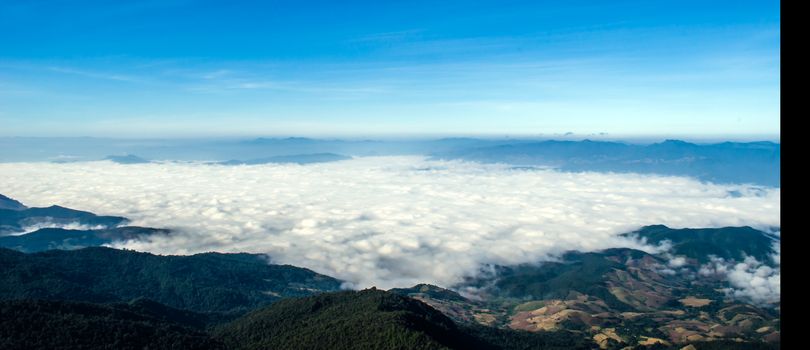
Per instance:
{"type": "Point", "coordinates": [385, 221]}
{"type": "Point", "coordinates": [677, 262]}
{"type": "Point", "coordinates": [776, 257]}
{"type": "Point", "coordinates": [66, 226]}
{"type": "Point", "coordinates": [750, 279]}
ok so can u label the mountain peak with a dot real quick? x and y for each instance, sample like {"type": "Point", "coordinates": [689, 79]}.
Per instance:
{"type": "Point", "coordinates": [11, 204]}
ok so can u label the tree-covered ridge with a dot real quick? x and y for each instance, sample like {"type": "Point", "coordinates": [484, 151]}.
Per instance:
{"type": "Point", "coordinates": [40, 324]}
{"type": "Point", "coordinates": [577, 272]}
{"type": "Point", "coordinates": [39, 229]}
{"type": "Point", "coordinates": [727, 242]}
{"type": "Point", "coordinates": [369, 319]}
{"type": "Point", "coordinates": [210, 282]}
{"type": "Point", "coordinates": [16, 220]}
{"type": "Point", "coordinates": [373, 319]}
{"type": "Point", "coordinates": [59, 238]}
{"type": "Point", "coordinates": [429, 290]}
{"type": "Point", "coordinates": [590, 272]}
{"type": "Point", "coordinates": [671, 316]}
{"type": "Point", "coordinates": [347, 320]}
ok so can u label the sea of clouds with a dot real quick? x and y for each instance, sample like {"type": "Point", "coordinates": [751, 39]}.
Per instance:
{"type": "Point", "coordinates": [388, 221]}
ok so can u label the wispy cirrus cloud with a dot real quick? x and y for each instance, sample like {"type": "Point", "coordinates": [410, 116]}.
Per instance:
{"type": "Point", "coordinates": [97, 75]}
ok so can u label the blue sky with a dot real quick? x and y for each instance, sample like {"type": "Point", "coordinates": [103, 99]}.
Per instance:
{"type": "Point", "coordinates": [174, 68]}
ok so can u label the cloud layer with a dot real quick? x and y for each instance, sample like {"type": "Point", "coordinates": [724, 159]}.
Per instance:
{"type": "Point", "coordinates": [386, 221]}
{"type": "Point", "coordinates": [750, 279]}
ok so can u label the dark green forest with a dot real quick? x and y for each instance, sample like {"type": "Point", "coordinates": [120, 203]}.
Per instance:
{"type": "Point", "coordinates": [374, 319]}
{"type": "Point", "coordinates": [38, 324]}
{"type": "Point", "coordinates": [210, 282]}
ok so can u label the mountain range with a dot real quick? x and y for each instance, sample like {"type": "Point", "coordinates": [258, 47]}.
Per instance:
{"type": "Point", "coordinates": [757, 163]}
{"type": "Point", "coordinates": [727, 162]}
{"type": "Point", "coordinates": [311, 158]}
{"type": "Point", "coordinates": [96, 297]}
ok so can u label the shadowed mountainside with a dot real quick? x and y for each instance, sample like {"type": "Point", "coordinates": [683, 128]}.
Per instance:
{"type": "Point", "coordinates": [40, 324]}
{"type": "Point", "coordinates": [59, 238]}
{"type": "Point", "coordinates": [210, 282]}
{"type": "Point", "coordinates": [14, 221]}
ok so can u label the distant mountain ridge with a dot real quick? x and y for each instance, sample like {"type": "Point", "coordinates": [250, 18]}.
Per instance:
{"type": "Point", "coordinates": [727, 162]}
{"type": "Point", "coordinates": [55, 227]}
{"type": "Point", "coordinates": [59, 238]}
{"type": "Point", "coordinates": [13, 221]}
{"type": "Point", "coordinates": [310, 158]}
{"type": "Point", "coordinates": [756, 162]}
{"type": "Point", "coordinates": [127, 159]}
{"type": "Point", "coordinates": [10, 204]}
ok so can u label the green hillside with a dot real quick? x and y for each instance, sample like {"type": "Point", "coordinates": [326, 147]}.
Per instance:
{"type": "Point", "coordinates": [726, 242]}
{"type": "Point", "coordinates": [577, 272]}
{"type": "Point", "coordinates": [372, 319]}
{"type": "Point", "coordinates": [210, 282]}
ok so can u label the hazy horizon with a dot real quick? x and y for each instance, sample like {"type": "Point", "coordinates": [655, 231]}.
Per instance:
{"type": "Point", "coordinates": [640, 139]}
